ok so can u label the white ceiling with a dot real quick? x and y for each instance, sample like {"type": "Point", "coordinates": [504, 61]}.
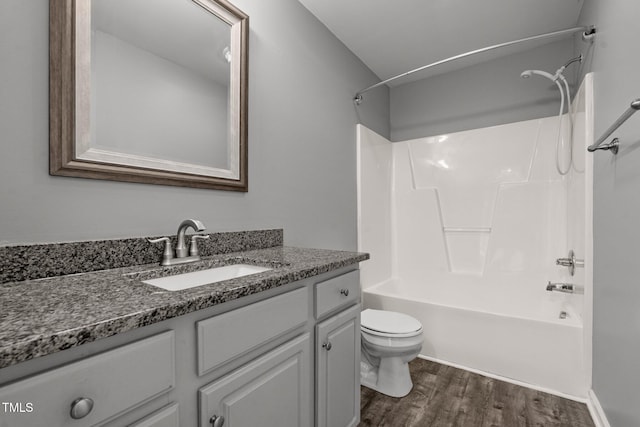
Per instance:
{"type": "Point", "coordinates": [393, 37]}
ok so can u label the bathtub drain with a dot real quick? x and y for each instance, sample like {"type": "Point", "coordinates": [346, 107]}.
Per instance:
{"type": "Point", "coordinates": [563, 315]}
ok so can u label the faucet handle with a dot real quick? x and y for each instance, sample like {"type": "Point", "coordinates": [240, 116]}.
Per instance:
{"type": "Point", "coordinates": [193, 247]}
{"type": "Point", "coordinates": [167, 255]}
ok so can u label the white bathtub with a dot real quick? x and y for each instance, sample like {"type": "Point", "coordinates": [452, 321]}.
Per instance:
{"type": "Point", "coordinates": [498, 328]}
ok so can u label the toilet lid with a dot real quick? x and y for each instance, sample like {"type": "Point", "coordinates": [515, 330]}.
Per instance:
{"type": "Point", "coordinates": [389, 323]}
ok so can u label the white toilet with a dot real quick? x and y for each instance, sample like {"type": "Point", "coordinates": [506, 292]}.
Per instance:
{"type": "Point", "coordinates": [390, 341]}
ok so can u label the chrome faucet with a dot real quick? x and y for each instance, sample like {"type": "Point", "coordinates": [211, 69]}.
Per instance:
{"type": "Point", "coordinates": [560, 287]}
{"type": "Point", "coordinates": [182, 253]}
{"type": "Point", "coordinates": [181, 248]}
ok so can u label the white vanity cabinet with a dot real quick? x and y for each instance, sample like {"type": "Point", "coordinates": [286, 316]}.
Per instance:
{"type": "Point", "coordinates": [276, 389]}
{"type": "Point", "coordinates": [338, 351]}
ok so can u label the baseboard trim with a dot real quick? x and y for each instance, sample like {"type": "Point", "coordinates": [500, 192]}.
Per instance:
{"type": "Point", "coordinates": [584, 400]}
{"type": "Point", "coordinates": [596, 411]}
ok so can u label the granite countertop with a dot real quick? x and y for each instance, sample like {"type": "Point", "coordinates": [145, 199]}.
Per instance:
{"type": "Point", "coordinates": [43, 316]}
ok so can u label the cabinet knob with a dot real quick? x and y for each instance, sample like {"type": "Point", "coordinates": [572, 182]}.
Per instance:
{"type": "Point", "coordinates": [217, 421]}
{"type": "Point", "coordinates": [344, 292]}
{"type": "Point", "coordinates": [81, 407]}
{"type": "Point", "coordinates": [327, 345]}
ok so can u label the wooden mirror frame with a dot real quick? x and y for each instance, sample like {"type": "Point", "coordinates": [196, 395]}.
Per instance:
{"type": "Point", "coordinates": [65, 55]}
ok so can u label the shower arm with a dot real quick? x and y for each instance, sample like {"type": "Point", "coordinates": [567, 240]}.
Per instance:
{"type": "Point", "coordinates": [587, 31]}
{"type": "Point", "coordinates": [560, 70]}
{"type": "Point", "coordinates": [578, 58]}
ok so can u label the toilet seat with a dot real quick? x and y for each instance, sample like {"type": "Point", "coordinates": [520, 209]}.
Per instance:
{"type": "Point", "coordinates": [389, 324]}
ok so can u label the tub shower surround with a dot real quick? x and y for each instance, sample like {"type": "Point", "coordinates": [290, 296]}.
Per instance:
{"type": "Point", "coordinates": [465, 229]}
{"type": "Point", "coordinates": [75, 293]}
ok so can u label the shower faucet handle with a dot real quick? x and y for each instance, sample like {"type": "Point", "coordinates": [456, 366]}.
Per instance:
{"type": "Point", "coordinates": [565, 262]}
{"type": "Point", "coordinates": [571, 262]}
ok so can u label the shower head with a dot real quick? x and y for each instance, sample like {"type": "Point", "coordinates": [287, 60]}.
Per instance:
{"type": "Point", "coordinates": [553, 77]}
{"type": "Point", "coordinates": [558, 79]}
{"type": "Point", "coordinates": [528, 73]}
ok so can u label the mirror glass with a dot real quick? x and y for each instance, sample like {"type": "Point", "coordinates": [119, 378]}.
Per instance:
{"type": "Point", "coordinates": [159, 92]}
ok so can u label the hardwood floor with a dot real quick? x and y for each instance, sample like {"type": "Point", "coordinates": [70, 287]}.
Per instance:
{"type": "Point", "coordinates": [443, 396]}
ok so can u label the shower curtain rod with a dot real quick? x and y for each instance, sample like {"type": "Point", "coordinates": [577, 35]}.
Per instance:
{"type": "Point", "coordinates": [588, 33]}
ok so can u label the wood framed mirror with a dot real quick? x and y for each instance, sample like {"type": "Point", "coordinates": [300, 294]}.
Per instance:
{"type": "Point", "coordinates": [150, 91]}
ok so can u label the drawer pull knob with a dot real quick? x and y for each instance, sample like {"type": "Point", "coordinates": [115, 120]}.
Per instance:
{"type": "Point", "coordinates": [81, 407]}
{"type": "Point", "coordinates": [344, 292]}
{"type": "Point", "coordinates": [217, 421]}
{"type": "Point", "coordinates": [327, 345]}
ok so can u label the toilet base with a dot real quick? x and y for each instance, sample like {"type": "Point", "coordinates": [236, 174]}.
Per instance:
{"type": "Point", "coordinates": [390, 378]}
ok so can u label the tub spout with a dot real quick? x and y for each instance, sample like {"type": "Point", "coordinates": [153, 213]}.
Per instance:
{"type": "Point", "coordinates": [560, 287]}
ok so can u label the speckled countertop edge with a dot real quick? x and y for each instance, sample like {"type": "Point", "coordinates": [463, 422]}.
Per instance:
{"type": "Point", "coordinates": [44, 316]}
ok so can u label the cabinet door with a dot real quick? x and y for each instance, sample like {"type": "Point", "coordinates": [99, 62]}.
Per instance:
{"type": "Point", "coordinates": [165, 417]}
{"type": "Point", "coordinates": [337, 370]}
{"type": "Point", "coordinates": [272, 391]}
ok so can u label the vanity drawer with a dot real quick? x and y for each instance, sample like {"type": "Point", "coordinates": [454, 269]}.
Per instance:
{"type": "Point", "coordinates": [337, 292]}
{"type": "Point", "coordinates": [224, 337]}
{"type": "Point", "coordinates": [114, 381]}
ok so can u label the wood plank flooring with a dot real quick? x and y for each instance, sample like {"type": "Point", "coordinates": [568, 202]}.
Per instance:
{"type": "Point", "coordinates": [444, 396]}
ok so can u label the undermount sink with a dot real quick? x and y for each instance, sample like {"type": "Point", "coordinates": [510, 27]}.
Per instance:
{"type": "Point", "coordinates": [205, 277]}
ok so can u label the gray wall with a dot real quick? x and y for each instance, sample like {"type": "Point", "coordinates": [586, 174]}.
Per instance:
{"type": "Point", "coordinates": [486, 94]}
{"type": "Point", "coordinates": [187, 123]}
{"type": "Point", "coordinates": [302, 174]}
{"type": "Point", "coordinates": [616, 331]}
